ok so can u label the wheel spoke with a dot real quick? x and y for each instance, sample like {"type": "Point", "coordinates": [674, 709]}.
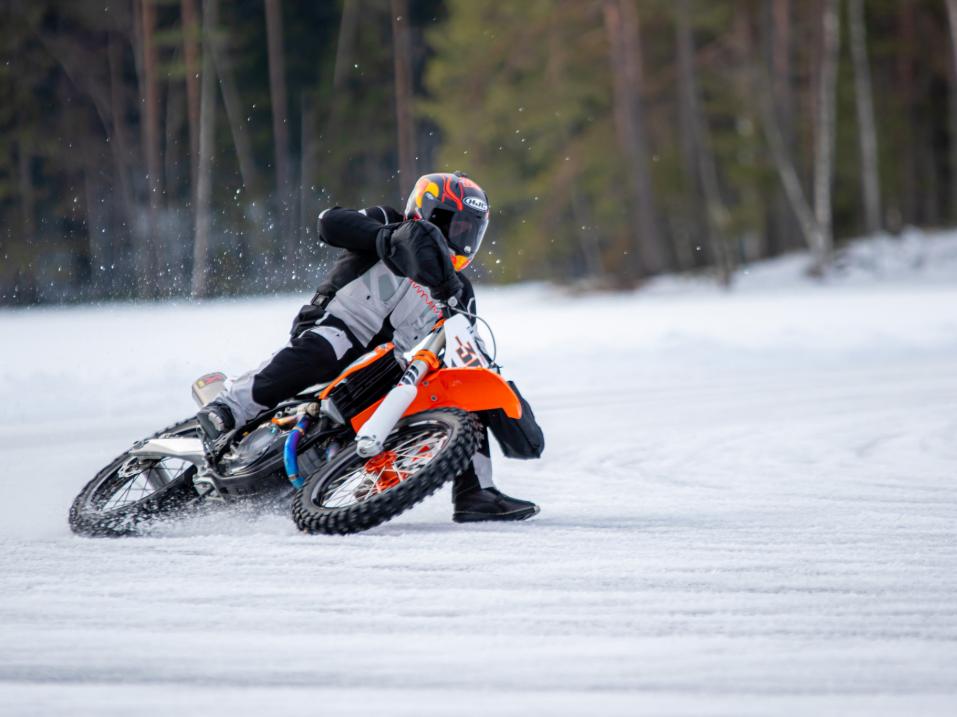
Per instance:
{"type": "Point", "coordinates": [147, 479]}
{"type": "Point", "coordinates": [412, 453]}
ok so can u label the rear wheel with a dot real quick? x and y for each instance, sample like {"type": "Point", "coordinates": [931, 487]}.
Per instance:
{"type": "Point", "coordinates": [131, 491]}
{"type": "Point", "coordinates": [352, 494]}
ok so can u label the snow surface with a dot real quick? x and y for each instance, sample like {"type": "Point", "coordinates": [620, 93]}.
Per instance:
{"type": "Point", "coordinates": [748, 507]}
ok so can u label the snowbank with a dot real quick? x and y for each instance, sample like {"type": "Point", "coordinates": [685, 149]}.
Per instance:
{"type": "Point", "coordinates": [916, 257]}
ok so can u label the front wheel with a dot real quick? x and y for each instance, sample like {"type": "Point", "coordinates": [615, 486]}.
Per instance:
{"type": "Point", "coordinates": [352, 493]}
{"type": "Point", "coordinates": [131, 491]}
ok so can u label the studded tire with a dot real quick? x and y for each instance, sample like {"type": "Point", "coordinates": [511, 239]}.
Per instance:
{"type": "Point", "coordinates": [312, 515]}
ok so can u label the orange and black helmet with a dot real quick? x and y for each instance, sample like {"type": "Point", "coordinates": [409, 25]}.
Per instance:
{"type": "Point", "coordinates": [457, 206]}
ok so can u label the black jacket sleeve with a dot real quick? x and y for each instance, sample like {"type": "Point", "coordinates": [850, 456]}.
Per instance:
{"type": "Point", "coordinates": [386, 215]}
{"type": "Point", "coordinates": [352, 230]}
{"type": "Point", "coordinates": [355, 232]}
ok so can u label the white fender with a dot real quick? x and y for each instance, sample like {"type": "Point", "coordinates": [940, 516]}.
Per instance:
{"type": "Point", "coordinates": [187, 449]}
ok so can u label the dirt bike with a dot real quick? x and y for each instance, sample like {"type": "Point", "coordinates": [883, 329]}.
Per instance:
{"type": "Point", "coordinates": [349, 455]}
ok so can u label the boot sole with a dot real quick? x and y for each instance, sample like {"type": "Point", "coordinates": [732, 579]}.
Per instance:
{"type": "Point", "coordinates": [523, 514]}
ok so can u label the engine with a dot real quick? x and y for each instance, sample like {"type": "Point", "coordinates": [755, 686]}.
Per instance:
{"type": "Point", "coordinates": [263, 442]}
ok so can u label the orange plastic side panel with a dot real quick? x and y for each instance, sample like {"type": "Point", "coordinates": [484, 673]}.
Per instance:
{"type": "Point", "coordinates": [378, 353]}
{"type": "Point", "coordinates": [471, 389]}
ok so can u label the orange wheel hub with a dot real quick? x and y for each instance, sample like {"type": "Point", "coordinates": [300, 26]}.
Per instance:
{"type": "Point", "coordinates": [384, 463]}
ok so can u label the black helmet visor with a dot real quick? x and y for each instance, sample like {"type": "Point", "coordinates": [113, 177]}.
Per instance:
{"type": "Point", "coordinates": [465, 233]}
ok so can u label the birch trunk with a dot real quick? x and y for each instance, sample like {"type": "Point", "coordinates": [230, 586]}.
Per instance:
{"type": "Point", "coordinates": [698, 143]}
{"type": "Point", "coordinates": [783, 164]}
{"type": "Point", "coordinates": [867, 130]}
{"type": "Point", "coordinates": [782, 234]}
{"type": "Point", "coordinates": [204, 177]}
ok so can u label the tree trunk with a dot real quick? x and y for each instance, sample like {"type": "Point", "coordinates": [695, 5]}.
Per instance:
{"type": "Point", "coordinates": [906, 173]}
{"type": "Point", "coordinates": [698, 143]}
{"type": "Point", "coordinates": [692, 222]}
{"type": "Point", "coordinates": [621, 27]}
{"type": "Point", "coordinates": [190, 17]}
{"type": "Point", "coordinates": [781, 62]}
{"type": "Point", "coordinates": [204, 175]}
{"type": "Point", "coordinates": [148, 265]}
{"type": "Point", "coordinates": [952, 17]}
{"type": "Point", "coordinates": [825, 131]}
{"type": "Point", "coordinates": [280, 126]}
{"type": "Point", "coordinates": [402, 55]}
{"type": "Point", "coordinates": [867, 134]}
{"type": "Point", "coordinates": [783, 234]}
{"type": "Point", "coordinates": [783, 163]}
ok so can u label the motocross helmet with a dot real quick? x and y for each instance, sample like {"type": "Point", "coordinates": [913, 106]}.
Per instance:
{"type": "Point", "coordinates": [457, 206]}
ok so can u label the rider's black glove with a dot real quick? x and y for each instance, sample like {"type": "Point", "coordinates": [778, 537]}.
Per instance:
{"type": "Point", "coordinates": [418, 250]}
{"type": "Point", "coordinates": [306, 318]}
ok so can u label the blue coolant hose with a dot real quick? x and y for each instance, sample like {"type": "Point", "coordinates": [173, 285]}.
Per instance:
{"type": "Point", "coordinates": [289, 451]}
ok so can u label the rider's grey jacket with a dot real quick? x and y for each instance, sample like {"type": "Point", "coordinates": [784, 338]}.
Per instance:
{"type": "Point", "coordinates": [362, 292]}
{"type": "Point", "coordinates": [377, 300]}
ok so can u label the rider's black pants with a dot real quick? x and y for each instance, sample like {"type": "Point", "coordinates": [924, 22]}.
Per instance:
{"type": "Point", "coordinates": [316, 356]}
{"type": "Point", "coordinates": [308, 359]}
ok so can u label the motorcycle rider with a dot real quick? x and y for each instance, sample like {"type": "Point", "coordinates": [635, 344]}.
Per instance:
{"type": "Point", "coordinates": [379, 291]}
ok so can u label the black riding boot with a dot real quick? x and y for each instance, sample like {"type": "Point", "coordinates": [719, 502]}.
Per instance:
{"type": "Point", "coordinates": [473, 503]}
{"type": "Point", "coordinates": [216, 420]}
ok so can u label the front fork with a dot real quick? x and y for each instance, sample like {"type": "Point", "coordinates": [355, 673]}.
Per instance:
{"type": "Point", "coordinates": [370, 439]}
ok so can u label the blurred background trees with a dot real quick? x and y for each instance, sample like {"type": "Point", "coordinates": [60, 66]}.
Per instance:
{"type": "Point", "coordinates": [161, 148]}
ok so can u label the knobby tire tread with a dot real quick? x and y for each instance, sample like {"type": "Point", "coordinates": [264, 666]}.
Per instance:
{"type": "Point", "coordinates": [128, 520]}
{"type": "Point", "coordinates": [452, 461]}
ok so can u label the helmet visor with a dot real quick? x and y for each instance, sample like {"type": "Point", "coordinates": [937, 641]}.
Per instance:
{"type": "Point", "coordinates": [466, 231]}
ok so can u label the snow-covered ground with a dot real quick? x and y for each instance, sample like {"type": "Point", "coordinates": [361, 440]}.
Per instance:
{"type": "Point", "coordinates": [749, 506]}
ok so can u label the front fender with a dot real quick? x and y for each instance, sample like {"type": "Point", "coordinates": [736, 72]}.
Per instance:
{"type": "Point", "coordinates": [471, 389]}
